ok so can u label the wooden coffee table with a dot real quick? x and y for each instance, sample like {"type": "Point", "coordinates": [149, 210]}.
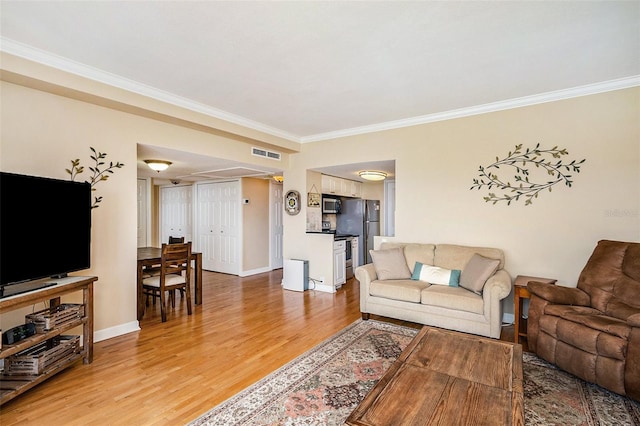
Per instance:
{"type": "Point", "coordinates": [447, 377]}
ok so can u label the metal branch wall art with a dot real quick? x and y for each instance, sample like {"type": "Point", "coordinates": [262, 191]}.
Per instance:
{"type": "Point", "coordinates": [523, 163]}
{"type": "Point", "coordinates": [99, 172]}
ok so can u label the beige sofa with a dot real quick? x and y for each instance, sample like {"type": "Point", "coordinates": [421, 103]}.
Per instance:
{"type": "Point", "coordinates": [455, 308]}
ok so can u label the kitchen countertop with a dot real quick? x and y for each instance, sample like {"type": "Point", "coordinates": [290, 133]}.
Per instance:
{"type": "Point", "coordinates": [336, 237]}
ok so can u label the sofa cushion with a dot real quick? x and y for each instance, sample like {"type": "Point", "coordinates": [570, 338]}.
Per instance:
{"type": "Point", "coordinates": [477, 271]}
{"type": "Point", "coordinates": [455, 298]}
{"type": "Point", "coordinates": [403, 290]}
{"type": "Point", "coordinates": [390, 264]}
{"type": "Point", "coordinates": [453, 256]}
{"type": "Point", "coordinates": [414, 252]}
{"type": "Point", "coordinates": [436, 275]}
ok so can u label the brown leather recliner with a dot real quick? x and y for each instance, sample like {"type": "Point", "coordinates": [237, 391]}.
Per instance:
{"type": "Point", "coordinates": [593, 331]}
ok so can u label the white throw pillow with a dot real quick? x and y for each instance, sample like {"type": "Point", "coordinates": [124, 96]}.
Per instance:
{"type": "Point", "coordinates": [436, 275]}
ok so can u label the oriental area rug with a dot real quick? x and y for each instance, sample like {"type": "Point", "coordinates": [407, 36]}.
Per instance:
{"type": "Point", "coordinates": [324, 385]}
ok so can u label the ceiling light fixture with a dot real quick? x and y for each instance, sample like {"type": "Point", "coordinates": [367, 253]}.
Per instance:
{"type": "Point", "coordinates": [158, 165]}
{"type": "Point", "coordinates": [372, 175]}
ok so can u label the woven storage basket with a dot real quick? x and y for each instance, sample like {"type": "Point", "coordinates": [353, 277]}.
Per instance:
{"type": "Point", "coordinates": [38, 358]}
{"type": "Point", "coordinates": [56, 316]}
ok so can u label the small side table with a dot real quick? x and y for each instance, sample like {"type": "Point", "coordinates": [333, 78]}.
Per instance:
{"type": "Point", "coordinates": [521, 293]}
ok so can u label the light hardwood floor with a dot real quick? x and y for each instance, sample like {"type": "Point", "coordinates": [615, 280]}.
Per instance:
{"type": "Point", "coordinates": [170, 373]}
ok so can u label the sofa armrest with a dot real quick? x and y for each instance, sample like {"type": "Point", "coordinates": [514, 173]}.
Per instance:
{"type": "Point", "coordinates": [499, 285]}
{"type": "Point", "coordinates": [559, 295]}
{"type": "Point", "coordinates": [365, 274]}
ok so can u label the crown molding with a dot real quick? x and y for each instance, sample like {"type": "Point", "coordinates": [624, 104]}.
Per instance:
{"type": "Point", "coordinates": [558, 95]}
{"type": "Point", "coordinates": [37, 55]}
{"type": "Point", "coordinates": [45, 58]}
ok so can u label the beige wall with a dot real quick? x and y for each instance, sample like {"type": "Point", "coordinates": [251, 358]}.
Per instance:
{"type": "Point", "coordinates": [42, 132]}
{"type": "Point", "coordinates": [436, 164]}
{"type": "Point", "coordinates": [255, 225]}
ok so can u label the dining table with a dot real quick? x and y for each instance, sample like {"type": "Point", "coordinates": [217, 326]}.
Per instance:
{"type": "Point", "coordinates": [149, 256]}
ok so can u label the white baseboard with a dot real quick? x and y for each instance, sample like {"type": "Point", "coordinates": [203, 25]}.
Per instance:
{"type": "Point", "coordinates": [116, 331]}
{"type": "Point", "coordinates": [325, 288]}
{"type": "Point", "coordinates": [508, 318]}
{"type": "Point", "coordinates": [255, 271]}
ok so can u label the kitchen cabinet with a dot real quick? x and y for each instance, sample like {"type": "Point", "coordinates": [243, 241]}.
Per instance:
{"type": "Point", "coordinates": [338, 186]}
{"type": "Point", "coordinates": [339, 263]}
{"type": "Point", "coordinates": [355, 189]}
{"type": "Point", "coordinates": [330, 185]}
{"type": "Point", "coordinates": [355, 257]}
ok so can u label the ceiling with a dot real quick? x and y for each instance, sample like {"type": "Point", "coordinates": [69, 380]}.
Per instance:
{"type": "Point", "coordinates": [307, 71]}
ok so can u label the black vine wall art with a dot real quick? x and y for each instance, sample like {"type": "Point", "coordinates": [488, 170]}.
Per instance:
{"type": "Point", "coordinates": [549, 163]}
{"type": "Point", "coordinates": [99, 172]}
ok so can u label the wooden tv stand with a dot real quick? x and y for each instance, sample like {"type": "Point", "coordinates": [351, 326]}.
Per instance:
{"type": "Point", "coordinates": [14, 385]}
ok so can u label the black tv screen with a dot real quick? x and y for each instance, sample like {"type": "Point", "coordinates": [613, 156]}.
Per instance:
{"type": "Point", "coordinates": [45, 227]}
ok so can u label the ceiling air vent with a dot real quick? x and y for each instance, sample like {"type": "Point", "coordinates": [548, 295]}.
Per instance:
{"type": "Point", "coordinates": [259, 152]}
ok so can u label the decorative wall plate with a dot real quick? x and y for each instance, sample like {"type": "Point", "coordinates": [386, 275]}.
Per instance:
{"type": "Point", "coordinates": [292, 202]}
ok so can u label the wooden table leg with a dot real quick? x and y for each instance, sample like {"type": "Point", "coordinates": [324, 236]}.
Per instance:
{"type": "Point", "coordinates": [198, 280]}
{"type": "Point", "coordinates": [140, 298]}
{"type": "Point", "coordinates": [518, 316]}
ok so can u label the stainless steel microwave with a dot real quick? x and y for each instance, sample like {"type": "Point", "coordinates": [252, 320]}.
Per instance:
{"type": "Point", "coordinates": [330, 205]}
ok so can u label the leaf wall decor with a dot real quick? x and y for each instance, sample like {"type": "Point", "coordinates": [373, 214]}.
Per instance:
{"type": "Point", "coordinates": [99, 171]}
{"type": "Point", "coordinates": [521, 166]}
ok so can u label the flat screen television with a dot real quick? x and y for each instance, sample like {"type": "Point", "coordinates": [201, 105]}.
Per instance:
{"type": "Point", "coordinates": [45, 229]}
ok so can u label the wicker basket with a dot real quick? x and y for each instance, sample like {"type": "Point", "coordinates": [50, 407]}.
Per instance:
{"type": "Point", "coordinates": [38, 358]}
{"type": "Point", "coordinates": [56, 316]}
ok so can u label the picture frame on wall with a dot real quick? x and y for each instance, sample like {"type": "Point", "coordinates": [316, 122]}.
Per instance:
{"type": "Point", "coordinates": [313, 199]}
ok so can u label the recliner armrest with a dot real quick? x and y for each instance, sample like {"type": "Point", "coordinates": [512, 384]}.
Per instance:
{"type": "Point", "coordinates": [634, 320]}
{"type": "Point", "coordinates": [558, 294]}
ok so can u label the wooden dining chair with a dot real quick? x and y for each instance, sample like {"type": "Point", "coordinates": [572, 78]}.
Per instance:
{"type": "Point", "coordinates": [175, 274]}
{"type": "Point", "coordinates": [155, 269]}
{"type": "Point", "coordinates": [176, 240]}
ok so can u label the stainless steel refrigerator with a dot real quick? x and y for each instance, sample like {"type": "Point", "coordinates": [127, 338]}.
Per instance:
{"type": "Point", "coordinates": [360, 218]}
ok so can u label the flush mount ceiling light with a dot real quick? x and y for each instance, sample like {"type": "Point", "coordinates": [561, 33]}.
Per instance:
{"type": "Point", "coordinates": [158, 165]}
{"type": "Point", "coordinates": [372, 175]}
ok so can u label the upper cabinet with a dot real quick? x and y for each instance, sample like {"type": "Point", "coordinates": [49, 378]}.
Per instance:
{"type": "Point", "coordinates": [343, 187]}
{"type": "Point", "coordinates": [330, 185]}
{"type": "Point", "coordinates": [356, 189]}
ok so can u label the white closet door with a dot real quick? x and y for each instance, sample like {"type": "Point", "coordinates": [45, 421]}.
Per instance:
{"type": "Point", "coordinates": [218, 219]}
{"type": "Point", "coordinates": [175, 213]}
{"type": "Point", "coordinates": [277, 210]}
